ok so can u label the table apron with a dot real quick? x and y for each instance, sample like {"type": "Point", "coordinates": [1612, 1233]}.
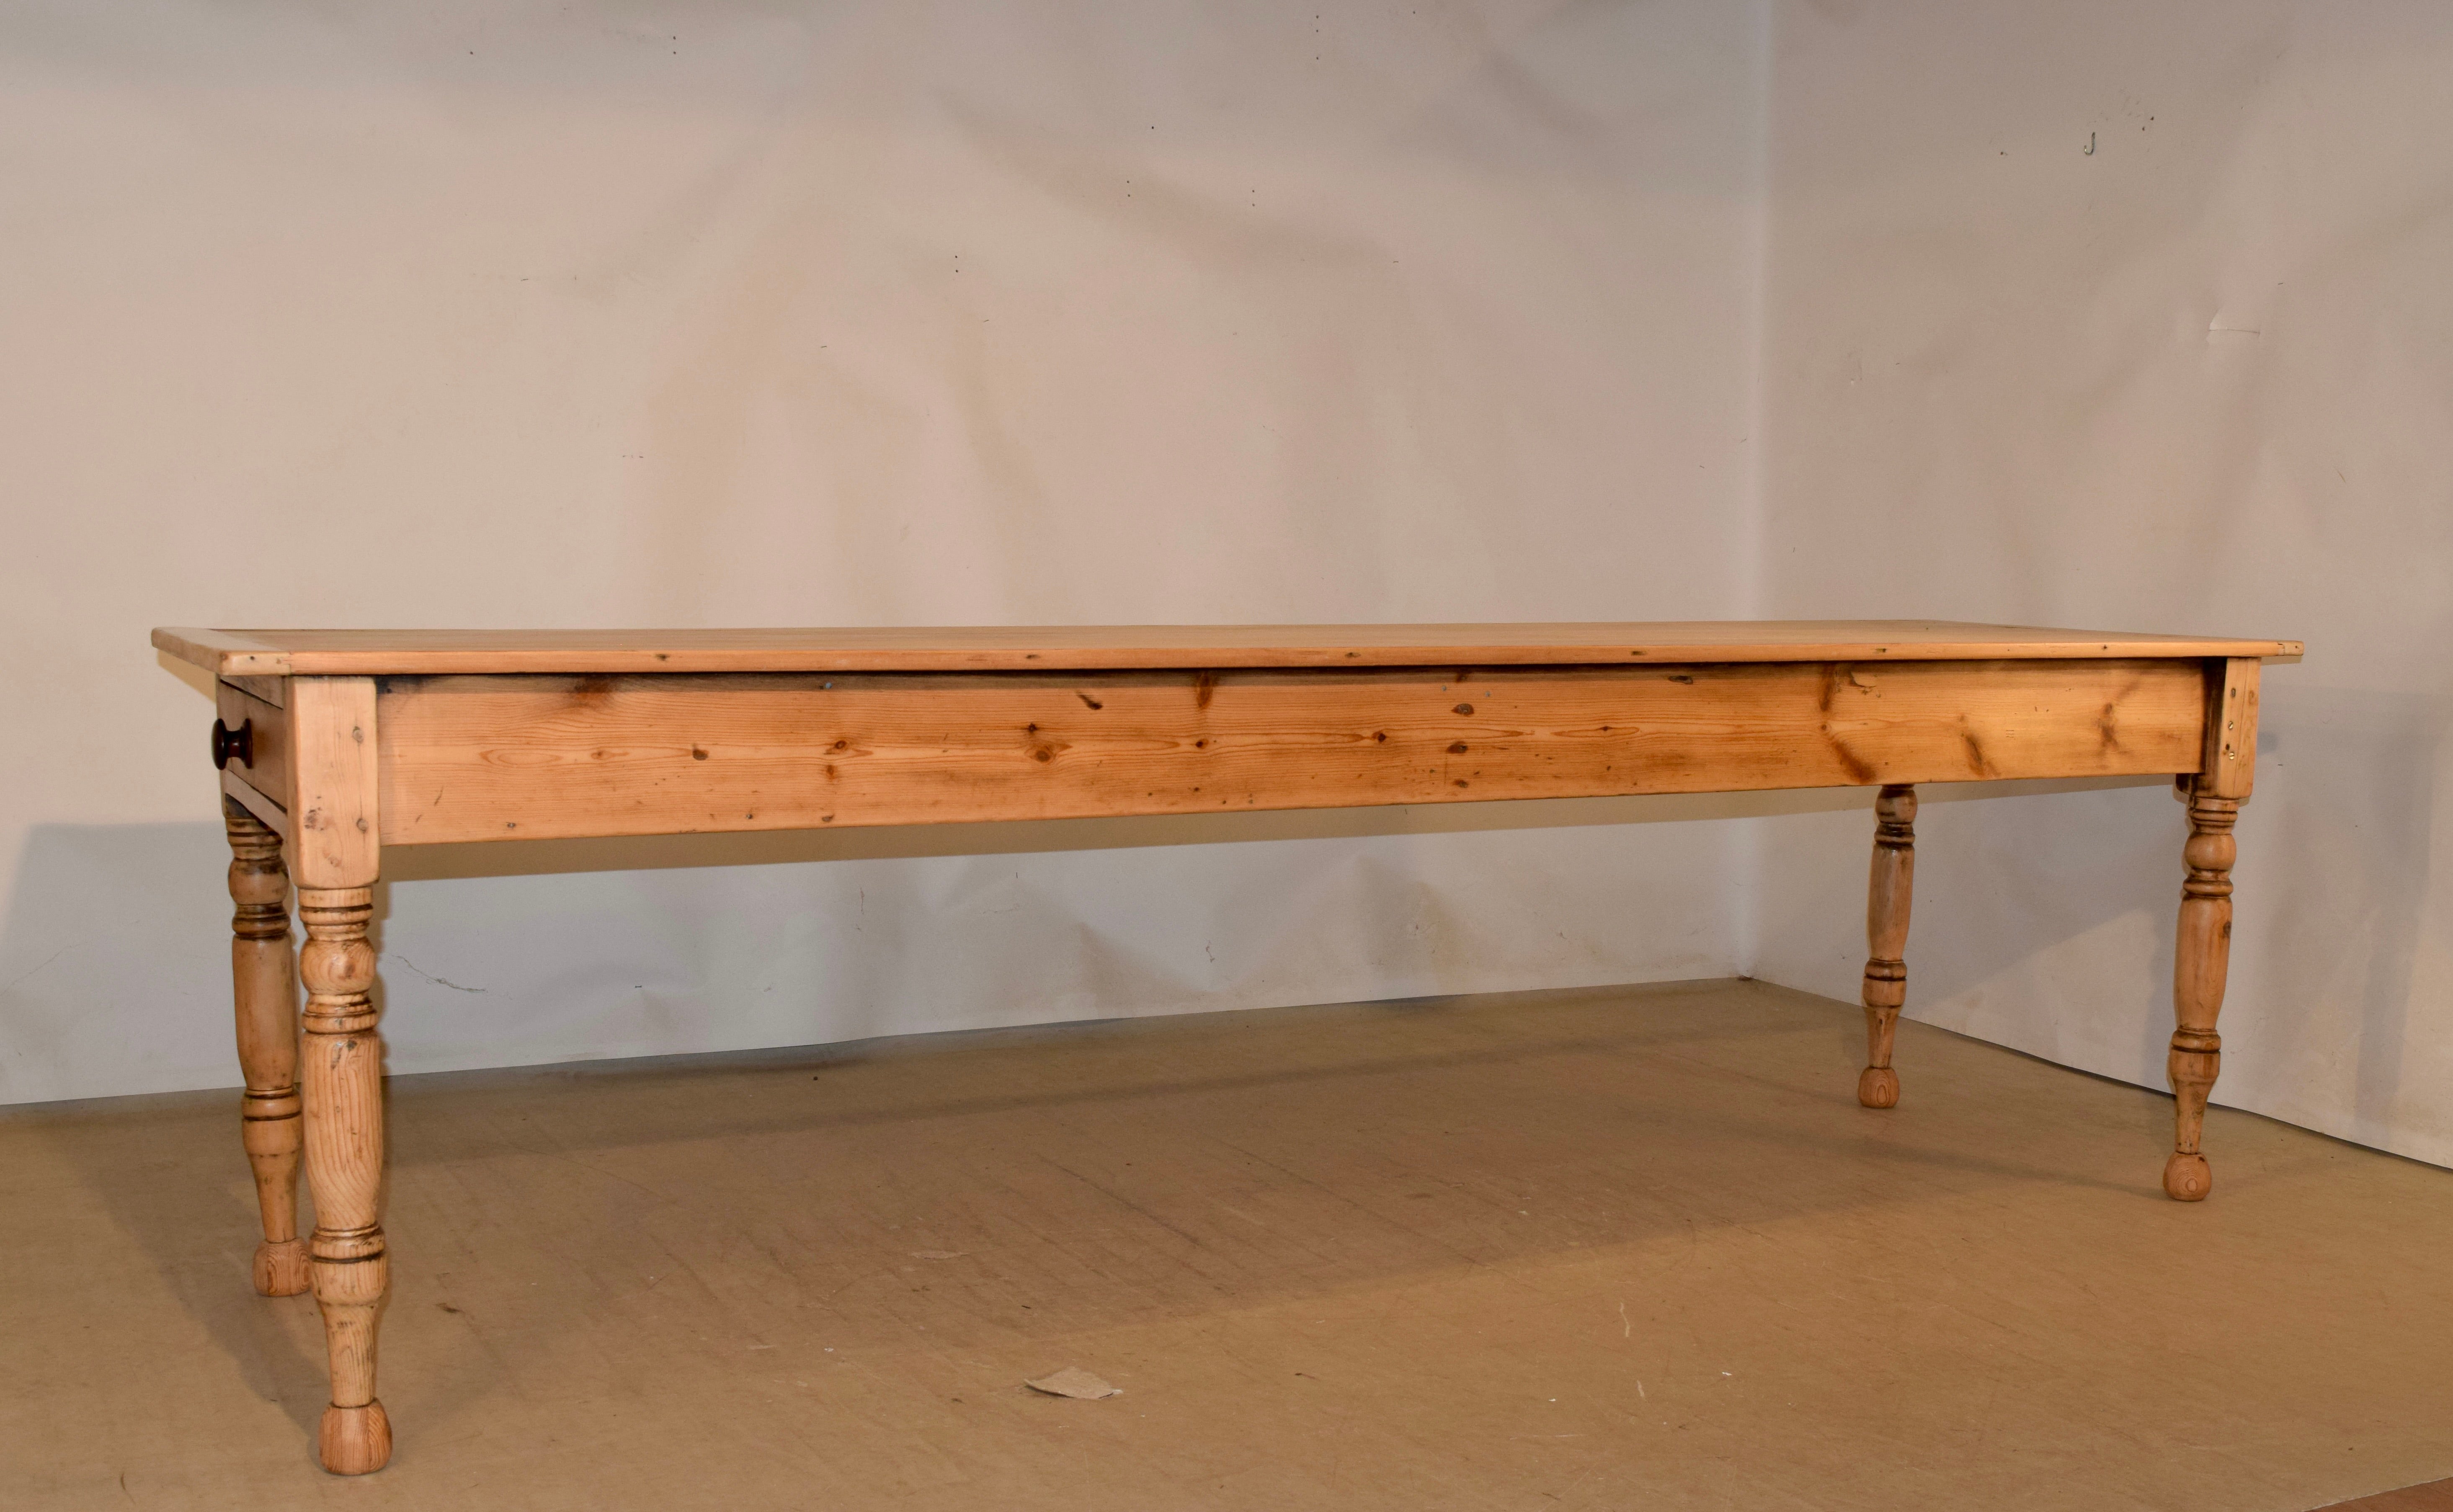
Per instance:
{"type": "Point", "coordinates": [504, 756]}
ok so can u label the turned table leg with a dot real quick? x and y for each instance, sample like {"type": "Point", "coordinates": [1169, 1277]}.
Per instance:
{"type": "Point", "coordinates": [266, 988]}
{"type": "Point", "coordinates": [2202, 956]}
{"type": "Point", "coordinates": [1886, 938]}
{"type": "Point", "coordinates": [345, 1136]}
{"type": "Point", "coordinates": [2201, 960]}
{"type": "Point", "coordinates": [335, 854]}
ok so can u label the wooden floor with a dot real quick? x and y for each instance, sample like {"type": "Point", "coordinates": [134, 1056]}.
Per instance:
{"type": "Point", "coordinates": [1632, 1248]}
{"type": "Point", "coordinates": [2436, 1496]}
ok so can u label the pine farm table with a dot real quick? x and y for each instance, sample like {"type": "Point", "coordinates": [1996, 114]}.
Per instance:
{"type": "Point", "coordinates": [336, 745]}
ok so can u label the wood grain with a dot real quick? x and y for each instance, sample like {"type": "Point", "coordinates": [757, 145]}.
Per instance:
{"type": "Point", "coordinates": [2228, 768]}
{"type": "Point", "coordinates": [509, 758]}
{"type": "Point", "coordinates": [276, 653]}
{"type": "Point", "coordinates": [267, 769]}
{"type": "Point", "coordinates": [1889, 893]}
{"type": "Point", "coordinates": [369, 738]}
{"type": "Point", "coordinates": [335, 847]}
{"type": "Point", "coordinates": [335, 833]}
{"type": "Point", "coordinates": [235, 789]}
{"type": "Point", "coordinates": [345, 1156]}
{"type": "Point", "coordinates": [2200, 964]}
{"type": "Point", "coordinates": [265, 987]}
{"type": "Point", "coordinates": [274, 690]}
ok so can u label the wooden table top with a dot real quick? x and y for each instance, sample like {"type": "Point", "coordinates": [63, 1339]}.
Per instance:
{"type": "Point", "coordinates": [1065, 648]}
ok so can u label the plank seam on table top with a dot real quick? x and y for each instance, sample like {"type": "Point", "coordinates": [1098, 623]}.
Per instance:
{"type": "Point", "coordinates": [1157, 647]}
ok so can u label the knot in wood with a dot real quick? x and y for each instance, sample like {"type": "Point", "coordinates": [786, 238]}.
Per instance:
{"type": "Point", "coordinates": [337, 968]}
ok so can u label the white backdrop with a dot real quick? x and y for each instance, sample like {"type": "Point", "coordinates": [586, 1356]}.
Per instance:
{"type": "Point", "coordinates": [2201, 378]}
{"type": "Point", "coordinates": [873, 314]}
{"type": "Point", "coordinates": [863, 313]}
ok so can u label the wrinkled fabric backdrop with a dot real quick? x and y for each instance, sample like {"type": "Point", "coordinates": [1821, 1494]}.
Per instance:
{"type": "Point", "coordinates": [715, 314]}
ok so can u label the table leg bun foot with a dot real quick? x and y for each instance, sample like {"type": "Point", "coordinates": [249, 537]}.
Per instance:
{"type": "Point", "coordinates": [282, 1268]}
{"type": "Point", "coordinates": [2187, 1179]}
{"type": "Point", "coordinates": [1879, 1087]}
{"type": "Point", "coordinates": [355, 1441]}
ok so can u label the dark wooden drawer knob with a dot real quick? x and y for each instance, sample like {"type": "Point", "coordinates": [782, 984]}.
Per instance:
{"type": "Point", "coordinates": [235, 744]}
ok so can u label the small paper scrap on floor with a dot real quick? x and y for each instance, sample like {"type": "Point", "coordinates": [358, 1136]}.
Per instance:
{"type": "Point", "coordinates": [1071, 1382]}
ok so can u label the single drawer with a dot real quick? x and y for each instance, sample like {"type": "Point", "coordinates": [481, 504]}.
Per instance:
{"type": "Point", "coordinates": [266, 728]}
